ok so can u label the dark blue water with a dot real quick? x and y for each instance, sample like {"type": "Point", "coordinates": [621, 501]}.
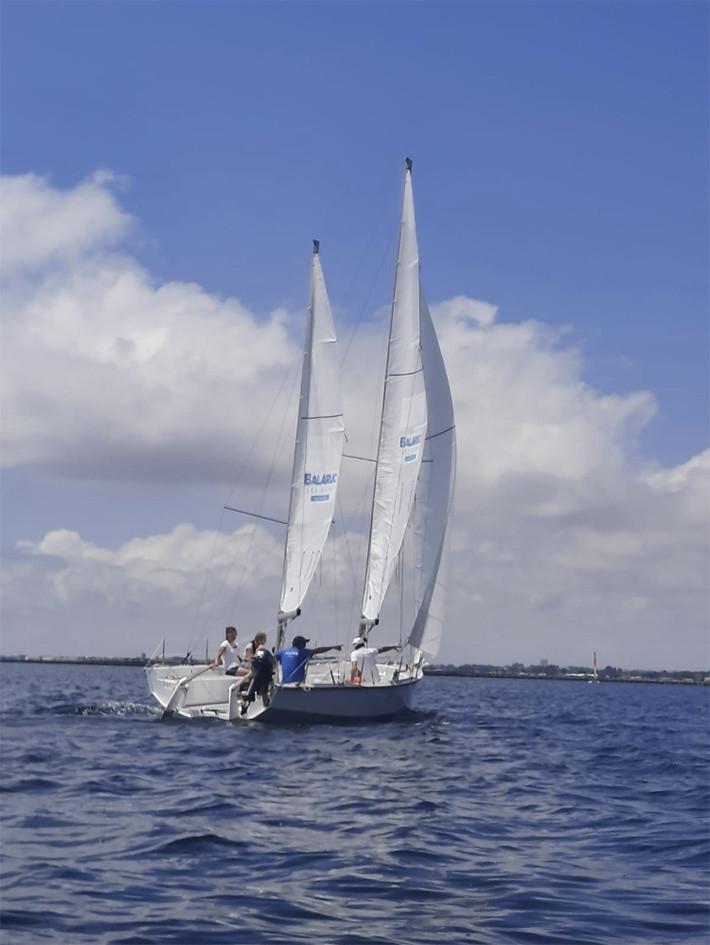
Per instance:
{"type": "Point", "coordinates": [503, 812]}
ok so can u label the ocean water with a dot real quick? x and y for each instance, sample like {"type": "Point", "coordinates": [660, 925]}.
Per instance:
{"type": "Point", "coordinates": [501, 811]}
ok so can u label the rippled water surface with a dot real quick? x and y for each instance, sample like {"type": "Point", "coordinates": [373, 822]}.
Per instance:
{"type": "Point", "coordinates": [502, 811]}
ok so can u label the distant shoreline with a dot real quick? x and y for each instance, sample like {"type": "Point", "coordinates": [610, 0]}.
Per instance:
{"type": "Point", "coordinates": [691, 678]}
{"type": "Point", "coordinates": [659, 677]}
{"type": "Point", "coordinates": [81, 660]}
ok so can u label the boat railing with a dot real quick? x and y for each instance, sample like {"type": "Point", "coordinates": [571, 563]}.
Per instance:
{"type": "Point", "coordinates": [329, 671]}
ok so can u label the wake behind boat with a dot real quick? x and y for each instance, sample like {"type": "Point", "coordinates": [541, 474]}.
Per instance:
{"type": "Point", "coordinates": [412, 495]}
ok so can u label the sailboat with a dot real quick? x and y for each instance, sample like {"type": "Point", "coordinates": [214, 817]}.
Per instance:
{"type": "Point", "coordinates": [595, 675]}
{"type": "Point", "coordinates": [412, 497]}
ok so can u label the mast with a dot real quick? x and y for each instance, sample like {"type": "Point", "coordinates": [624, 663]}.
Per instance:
{"type": "Point", "coordinates": [317, 452]}
{"type": "Point", "coordinates": [403, 420]}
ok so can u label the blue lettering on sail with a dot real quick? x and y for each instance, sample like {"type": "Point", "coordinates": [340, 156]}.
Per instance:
{"type": "Point", "coordinates": [322, 479]}
{"type": "Point", "coordinates": [405, 441]}
{"type": "Point", "coordinates": [410, 457]}
{"type": "Point", "coordinates": [320, 498]}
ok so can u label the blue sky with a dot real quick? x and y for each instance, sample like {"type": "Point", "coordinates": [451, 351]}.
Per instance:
{"type": "Point", "coordinates": [564, 149]}
{"type": "Point", "coordinates": [560, 160]}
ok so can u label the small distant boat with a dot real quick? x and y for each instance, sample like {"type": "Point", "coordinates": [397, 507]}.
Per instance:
{"type": "Point", "coordinates": [595, 677]}
{"type": "Point", "coordinates": [413, 491]}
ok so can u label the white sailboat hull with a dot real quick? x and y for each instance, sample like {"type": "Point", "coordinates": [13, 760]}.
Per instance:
{"type": "Point", "coordinates": [208, 691]}
{"type": "Point", "coordinates": [214, 695]}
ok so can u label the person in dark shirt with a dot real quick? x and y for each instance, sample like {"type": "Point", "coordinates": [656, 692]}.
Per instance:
{"type": "Point", "coordinates": [260, 675]}
{"type": "Point", "coordinates": [294, 659]}
{"type": "Point", "coordinates": [259, 640]}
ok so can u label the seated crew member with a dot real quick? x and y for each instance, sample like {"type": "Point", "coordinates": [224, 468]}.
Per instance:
{"type": "Point", "coordinates": [258, 643]}
{"type": "Point", "coordinates": [363, 662]}
{"type": "Point", "coordinates": [260, 675]}
{"type": "Point", "coordinates": [259, 640]}
{"type": "Point", "coordinates": [228, 654]}
{"type": "Point", "coordinates": [294, 659]}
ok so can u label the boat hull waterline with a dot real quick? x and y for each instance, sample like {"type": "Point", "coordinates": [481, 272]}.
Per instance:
{"type": "Point", "coordinates": [216, 696]}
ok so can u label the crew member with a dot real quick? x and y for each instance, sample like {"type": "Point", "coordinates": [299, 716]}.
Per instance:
{"type": "Point", "coordinates": [294, 659]}
{"type": "Point", "coordinates": [363, 662]}
{"type": "Point", "coordinates": [228, 654]}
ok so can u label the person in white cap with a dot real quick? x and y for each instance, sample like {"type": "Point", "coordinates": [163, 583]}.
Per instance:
{"type": "Point", "coordinates": [363, 662]}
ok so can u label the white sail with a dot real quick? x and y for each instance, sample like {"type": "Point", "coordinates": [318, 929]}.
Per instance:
{"type": "Point", "coordinates": [318, 451]}
{"type": "Point", "coordinates": [434, 497]}
{"type": "Point", "coordinates": [404, 420]}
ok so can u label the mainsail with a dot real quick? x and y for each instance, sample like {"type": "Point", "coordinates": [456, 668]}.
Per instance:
{"type": "Point", "coordinates": [318, 451]}
{"type": "Point", "coordinates": [434, 496]}
{"type": "Point", "coordinates": [404, 420]}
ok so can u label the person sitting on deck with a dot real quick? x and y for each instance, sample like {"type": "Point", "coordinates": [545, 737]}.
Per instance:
{"type": "Point", "coordinates": [261, 672]}
{"type": "Point", "coordinates": [251, 648]}
{"type": "Point", "coordinates": [228, 654]}
{"type": "Point", "coordinates": [248, 661]}
{"type": "Point", "coordinates": [363, 662]}
{"type": "Point", "coordinates": [294, 659]}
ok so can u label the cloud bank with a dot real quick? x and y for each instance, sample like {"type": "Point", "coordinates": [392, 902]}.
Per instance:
{"type": "Point", "coordinates": [565, 539]}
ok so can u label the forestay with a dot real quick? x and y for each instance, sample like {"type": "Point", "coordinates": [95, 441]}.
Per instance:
{"type": "Point", "coordinates": [404, 420]}
{"type": "Point", "coordinates": [434, 496]}
{"type": "Point", "coordinates": [318, 450]}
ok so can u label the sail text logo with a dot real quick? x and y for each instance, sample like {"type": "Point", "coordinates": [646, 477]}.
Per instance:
{"type": "Point", "coordinates": [405, 441]}
{"type": "Point", "coordinates": [325, 479]}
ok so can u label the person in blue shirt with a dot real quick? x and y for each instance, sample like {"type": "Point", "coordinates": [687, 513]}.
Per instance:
{"type": "Point", "coordinates": [294, 659]}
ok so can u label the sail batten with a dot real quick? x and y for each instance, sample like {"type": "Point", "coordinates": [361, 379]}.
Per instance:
{"type": "Point", "coordinates": [318, 450]}
{"type": "Point", "coordinates": [403, 422]}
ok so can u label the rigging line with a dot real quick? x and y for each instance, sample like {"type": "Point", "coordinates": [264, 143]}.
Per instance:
{"type": "Point", "coordinates": [264, 425]}
{"type": "Point", "coordinates": [361, 312]}
{"type": "Point", "coordinates": [361, 514]}
{"type": "Point", "coordinates": [400, 564]}
{"type": "Point", "coordinates": [303, 395]}
{"type": "Point", "coordinates": [279, 521]}
{"type": "Point", "coordinates": [334, 571]}
{"type": "Point", "coordinates": [348, 549]}
{"type": "Point", "coordinates": [203, 591]}
{"type": "Point", "coordinates": [238, 591]}
{"type": "Point", "coordinates": [441, 432]}
{"type": "Point", "coordinates": [388, 199]}
{"type": "Point", "coordinates": [364, 459]}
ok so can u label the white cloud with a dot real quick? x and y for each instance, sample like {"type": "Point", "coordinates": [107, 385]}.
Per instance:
{"type": "Point", "coordinates": [182, 585]}
{"type": "Point", "coordinates": [564, 539]}
{"type": "Point", "coordinates": [463, 308]}
{"type": "Point", "coordinates": [42, 225]}
{"type": "Point", "coordinates": [107, 375]}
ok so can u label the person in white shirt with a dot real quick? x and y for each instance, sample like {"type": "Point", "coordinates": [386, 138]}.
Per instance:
{"type": "Point", "coordinates": [228, 654]}
{"type": "Point", "coordinates": [363, 662]}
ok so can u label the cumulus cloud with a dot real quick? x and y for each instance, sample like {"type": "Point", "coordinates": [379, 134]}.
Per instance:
{"type": "Point", "coordinates": [181, 585]}
{"type": "Point", "coordinates": [565, 539]}
{"type": "Point", "coordinates": [109, 375]}
{"type": "Point", "coordinates": [42, 225]}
